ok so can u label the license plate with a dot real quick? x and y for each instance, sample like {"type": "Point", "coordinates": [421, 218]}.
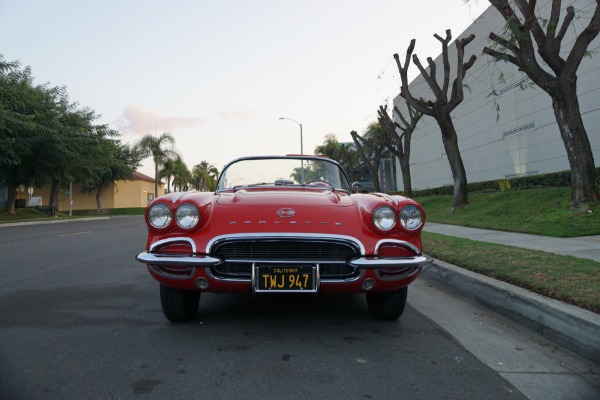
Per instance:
{"type": "Point", "coordinates": [284, 278]}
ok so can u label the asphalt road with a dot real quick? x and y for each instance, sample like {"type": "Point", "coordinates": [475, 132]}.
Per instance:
{"type": "Point", "coordinates": [81, 319]}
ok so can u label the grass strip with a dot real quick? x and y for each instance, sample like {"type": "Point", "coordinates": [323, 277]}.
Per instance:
{"type": "Point", "coordinates": [569, 279]}
{"type": "Point", "coordinates": [540, 211]}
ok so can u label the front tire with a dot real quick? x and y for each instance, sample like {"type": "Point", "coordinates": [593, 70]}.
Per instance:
{"type": "Point", "coordinates": [179, 305]}
{"type": "Point", "coordinates": [387, 306]}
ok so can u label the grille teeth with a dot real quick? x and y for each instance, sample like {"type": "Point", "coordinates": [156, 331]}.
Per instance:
{"type": "Point", "coordinates": [239, 256]}
{"type": "Point", "coordinates": [285, 250]}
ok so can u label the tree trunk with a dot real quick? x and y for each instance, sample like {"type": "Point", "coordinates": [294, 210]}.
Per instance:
{"type": "Point", "coordinates": [155, 178]}
{"type": "Point", "coordinates": [12, 197]}
{"type": "Point", "coordinates": [98, 194]}
{"type": "Point", "coordinates": [450, 140]}
{"type": "Point", "coordinates": [584, 187]}
{"type": "Point", "coordinates": [53, 201]}
{"type": "Point", "coordinates": [375, 174]}
{"type": "Point", "coordinates": [406, 179]}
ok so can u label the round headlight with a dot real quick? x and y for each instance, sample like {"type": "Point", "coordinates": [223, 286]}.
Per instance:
{"type": "Point", "coordinates": [384, 218]}
{"type": "Point", "coordinates": [187, 216]}
{"type": "Point", "coordinates": [159, 215]}
{"type": "Point", "coordinates": [411, 217]}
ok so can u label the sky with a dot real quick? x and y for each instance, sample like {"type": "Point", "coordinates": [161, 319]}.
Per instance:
{"type": "Point", "coordinates": [218, 75]}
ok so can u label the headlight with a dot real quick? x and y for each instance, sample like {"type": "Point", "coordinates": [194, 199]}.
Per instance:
{"type": "Point", "coordinates": [411, 217]}
{"type": "Point", "coordinates": [384, 218]}
{"type": "Point", "coordinates": [159, 215]}
{"type": "Point", "coordinates": [187, 216]}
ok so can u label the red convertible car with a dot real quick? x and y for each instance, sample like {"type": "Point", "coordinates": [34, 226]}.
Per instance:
{"type": "Point", "coordinates": [283, 224]}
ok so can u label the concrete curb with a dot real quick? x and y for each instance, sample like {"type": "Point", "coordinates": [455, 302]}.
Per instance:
{"type": "Point", "coordinates": [45, 222]}
{"type": "Point", "coordinates": [571, 327]}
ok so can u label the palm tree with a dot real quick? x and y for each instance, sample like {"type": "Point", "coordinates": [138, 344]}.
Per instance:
{"type": "Point", "coordinates": [168, 170]}
{"type": "Point", "coordinates": [181, 175]}
{"type": "Point", "coordinates": [156, 147]}
{"type": "Point", "coordinates": [204, 176]}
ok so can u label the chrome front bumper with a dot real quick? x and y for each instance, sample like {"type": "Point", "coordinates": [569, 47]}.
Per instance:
{"type": "Point", "coordinates": [390, 263]}
{"type": "Point", "coordinates": [174, 260]}
{"type": "Point", "coordinates": [207, 261]}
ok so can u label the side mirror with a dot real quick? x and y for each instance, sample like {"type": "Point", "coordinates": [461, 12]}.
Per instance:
{"type": "Point", "coordinates": [356, 187]}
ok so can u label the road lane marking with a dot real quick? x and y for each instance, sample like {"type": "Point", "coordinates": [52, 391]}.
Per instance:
{"type": "Point", "coordinates": [74, 234]}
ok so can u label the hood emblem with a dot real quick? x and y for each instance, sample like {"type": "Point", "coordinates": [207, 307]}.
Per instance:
{"type": "Point", "coordinates": [286, 213]}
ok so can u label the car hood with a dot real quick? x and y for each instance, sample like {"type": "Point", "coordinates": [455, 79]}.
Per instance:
{"type": "Point", "coordinates": [286, 198]}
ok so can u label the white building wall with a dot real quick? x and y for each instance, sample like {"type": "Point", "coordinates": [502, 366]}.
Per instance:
{"type": "Point", "coordinates": [522, 137]}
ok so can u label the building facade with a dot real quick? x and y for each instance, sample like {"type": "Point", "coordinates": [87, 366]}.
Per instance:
{"type": "Point", "coordinates": [506, 126]}
{"type": "Point", "coordinates": [123, 194]}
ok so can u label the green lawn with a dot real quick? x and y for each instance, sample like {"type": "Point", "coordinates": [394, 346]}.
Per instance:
{"type": "Point", "coordinates": [543, 212]}
{"type": "Point", "coordinates": [572, 280]}
{"type": "Point", "coordinates": [537, 211]}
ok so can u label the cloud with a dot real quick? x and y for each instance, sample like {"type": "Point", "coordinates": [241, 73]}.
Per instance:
{"type": "Point", "coordinates": [237, 115]}
{"type": "Point", "coordinates": [142, 121]}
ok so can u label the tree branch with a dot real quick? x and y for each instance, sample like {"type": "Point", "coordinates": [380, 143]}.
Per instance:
{"type": "Point", "coordinates": [405, 91]}
{"type": "Point", "coordinates": [565, 25]}
{"type": "Point", "coordinates": [503, 42]}
{"type": "Point", "coordinates": [501, 56]}
{"type": "Point", "coordinates": [553, 22]}
{"type": "Point", "coordinates": [399, 114]}
{"type": "Point", "coordinates": [437, 92]}
{"type": "Point", "coordinates": [457, 95]}
{"type": "Point", "coordinates": [445, 61]}
{"type": "Point", "coordinates": [432, 68]}
{"type": "Point", "coordinates": [517, 27]}
{"type": "Point", "coordinates": [582, 42]}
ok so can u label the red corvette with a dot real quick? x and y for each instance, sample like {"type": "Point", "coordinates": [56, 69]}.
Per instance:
{"type": "Point", "coordinates": [288, 224]}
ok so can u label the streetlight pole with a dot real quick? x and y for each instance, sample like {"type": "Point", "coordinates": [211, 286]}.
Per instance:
{"type": "Point", "coordinates": [301, 141]}
{"type": "Point", "coordinates": [301, 149]}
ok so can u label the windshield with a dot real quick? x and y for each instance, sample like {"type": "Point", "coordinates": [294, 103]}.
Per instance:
{"type": "Point", "coordinates": [283, 171]}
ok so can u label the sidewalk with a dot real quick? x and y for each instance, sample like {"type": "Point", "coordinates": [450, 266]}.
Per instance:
{"type": "Point", "coordinates": [583, 247]}
{"type": "Point", "coordinates": [571, 327]}
{"type": "Point", "coordinates": [46, 221]}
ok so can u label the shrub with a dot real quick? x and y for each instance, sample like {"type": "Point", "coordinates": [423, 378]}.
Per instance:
{"type": "Point", "coordinates": [504, 185]}
{"type": "Point", "coordinates": [555, 179]}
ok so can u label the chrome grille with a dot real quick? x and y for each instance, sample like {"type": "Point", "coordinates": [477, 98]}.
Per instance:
{"type": "Point", "coordinates": [239, 255]}
{"type": "Point", "coordinates": [289, 250]}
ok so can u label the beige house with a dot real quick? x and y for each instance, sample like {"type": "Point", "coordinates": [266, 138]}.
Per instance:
{"type": "Point", "coordinates": [124, 194]}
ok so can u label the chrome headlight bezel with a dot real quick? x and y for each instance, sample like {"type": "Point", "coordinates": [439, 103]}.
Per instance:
{"type": "Point", "coordinates": [187, 216]}
{"type": "Point", "coordinates": [384, 218]}
{"type": "Point", "coordinates": [411, 217]}
{"type": "Point", "coordinates": [159, 215]}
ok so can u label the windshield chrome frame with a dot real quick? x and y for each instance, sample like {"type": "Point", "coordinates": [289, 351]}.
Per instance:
{"type": "Point", "coordinates": [289, 157]}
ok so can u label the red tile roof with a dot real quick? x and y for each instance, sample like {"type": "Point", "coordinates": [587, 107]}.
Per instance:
{"type": "Point", "coordinates": [141, 177]}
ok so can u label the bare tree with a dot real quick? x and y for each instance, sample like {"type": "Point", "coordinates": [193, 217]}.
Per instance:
{"type": "Point", "coordinates": [399, 144]}
{"type": "Point", "coordinates": [370, 148]}
{"type": "Point", "coordinates": [555, 74]}
{"type": "Point", "coordinates": [441, 108]}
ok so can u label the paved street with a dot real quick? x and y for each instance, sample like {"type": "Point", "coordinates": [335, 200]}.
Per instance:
{"type": "Point", "coordinates": [79, 318]}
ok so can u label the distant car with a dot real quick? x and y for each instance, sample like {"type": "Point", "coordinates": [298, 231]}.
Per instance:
{"type": "Point", "coordinates": [283, 224]}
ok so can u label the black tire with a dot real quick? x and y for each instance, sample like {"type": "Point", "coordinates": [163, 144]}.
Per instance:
{"type": "Point", "coordinates": [179, 305]}
{"type": "Point", "coordinates": [387, 306]}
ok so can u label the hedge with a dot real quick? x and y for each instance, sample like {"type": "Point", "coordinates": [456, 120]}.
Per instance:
{"type": "Point", "coordinates": [555, 179]}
